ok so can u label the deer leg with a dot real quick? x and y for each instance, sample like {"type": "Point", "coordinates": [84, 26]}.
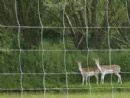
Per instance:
{"type": "Point", "coordinates": [83, 78]}
{"type": "Point", "coordinates": [119, 78]}
{"type": "Point", "coordinates": [89, 79]}
{"type": "Point", "coordinates": [86, 80]}
{"type": "Point", "coordinates": [96, 78]}
{"type": "Point", "coordinates": [102, 78]}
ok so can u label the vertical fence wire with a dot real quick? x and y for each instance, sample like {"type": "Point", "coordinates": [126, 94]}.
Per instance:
{"type": "Point", "coordinates": [64, 30]}
{"type": "Point", "coordinates": [87, 47]}
{"type": "Point", "coordinates": [109, 43]}
{"type": "Point", "coordinates": [42, 47]}
{"type": "Point", "coordinates": [20, 50]}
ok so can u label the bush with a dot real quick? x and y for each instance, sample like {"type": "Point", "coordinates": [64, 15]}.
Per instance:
{"type": "Point", "coordinates": [55, 62]}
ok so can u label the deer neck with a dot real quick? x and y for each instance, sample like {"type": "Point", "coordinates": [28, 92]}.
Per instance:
{"type": "Point", "coordinates": [99, 67]}
{"type": "Point", "coordinates": [80, 67]}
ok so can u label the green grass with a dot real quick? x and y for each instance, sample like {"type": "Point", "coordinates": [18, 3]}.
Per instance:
{"type": "Point", "coordinates": [76, 91]}
{"type": "Point", "coordinates": [107, 86]}
{"type": "Point", "coordinates": [70, 95]}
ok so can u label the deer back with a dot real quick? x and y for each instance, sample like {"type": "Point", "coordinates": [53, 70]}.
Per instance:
{"type": "Point", "coordinates": [111, 67]}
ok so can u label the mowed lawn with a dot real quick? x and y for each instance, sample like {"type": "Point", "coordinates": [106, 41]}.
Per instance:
{"type": "Point", "coordinates": [77, 91]}
{"type": "Point", "coordinates": [63, 95]}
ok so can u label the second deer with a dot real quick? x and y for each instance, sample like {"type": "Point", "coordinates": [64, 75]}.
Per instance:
{"type": "Point", "coordinates": [87, 72]}
{"type": "Point", "coordinates": [108, 69]}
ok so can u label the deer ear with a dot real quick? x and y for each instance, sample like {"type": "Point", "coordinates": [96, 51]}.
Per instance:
{"type": "Point", "coordinates": [96, 59]}
{"type": "Point", "coordinates": [77, 61]}
{"type": "Point", "coordinates": [99, 59]}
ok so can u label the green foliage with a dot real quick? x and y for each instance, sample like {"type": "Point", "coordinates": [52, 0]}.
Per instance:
{"type": "Point", "coordinates": [31, 62]}
{"type": "Point", "coordinates": [59, 62]}
{"type": "Point", "coordinates": [9, 81]}
{"type": "Point", "coordinates": [32, 81]}
{"type": "Point", "coordinates": [9, 62]}
{"type": "Point", "coordinates": [49, 60]}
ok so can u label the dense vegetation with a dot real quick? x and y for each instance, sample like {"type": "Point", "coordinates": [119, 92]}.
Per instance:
{"type": "Point", "coordinates": [73, 42]}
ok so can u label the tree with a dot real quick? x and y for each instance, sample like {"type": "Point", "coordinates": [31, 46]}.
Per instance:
{"type": "Point", "coordinates": [95, 14]}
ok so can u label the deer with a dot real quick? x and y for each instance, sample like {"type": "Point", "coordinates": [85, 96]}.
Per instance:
{"type": "Point", "coordinates": [87, 73]}
{"type": "Point", "coordinates": [108, 69]}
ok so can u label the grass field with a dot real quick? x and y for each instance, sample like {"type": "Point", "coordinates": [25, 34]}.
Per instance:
{"type": "Point", "coordinates": [63, 95]}
{"type": "Point", "coordinates": [76, 91]}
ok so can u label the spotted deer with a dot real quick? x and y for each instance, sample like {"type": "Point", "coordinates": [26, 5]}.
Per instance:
{"type": "Point", "coordinates": [108, 69]}
{"type": "Point", "coordinates": [87, 73]}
